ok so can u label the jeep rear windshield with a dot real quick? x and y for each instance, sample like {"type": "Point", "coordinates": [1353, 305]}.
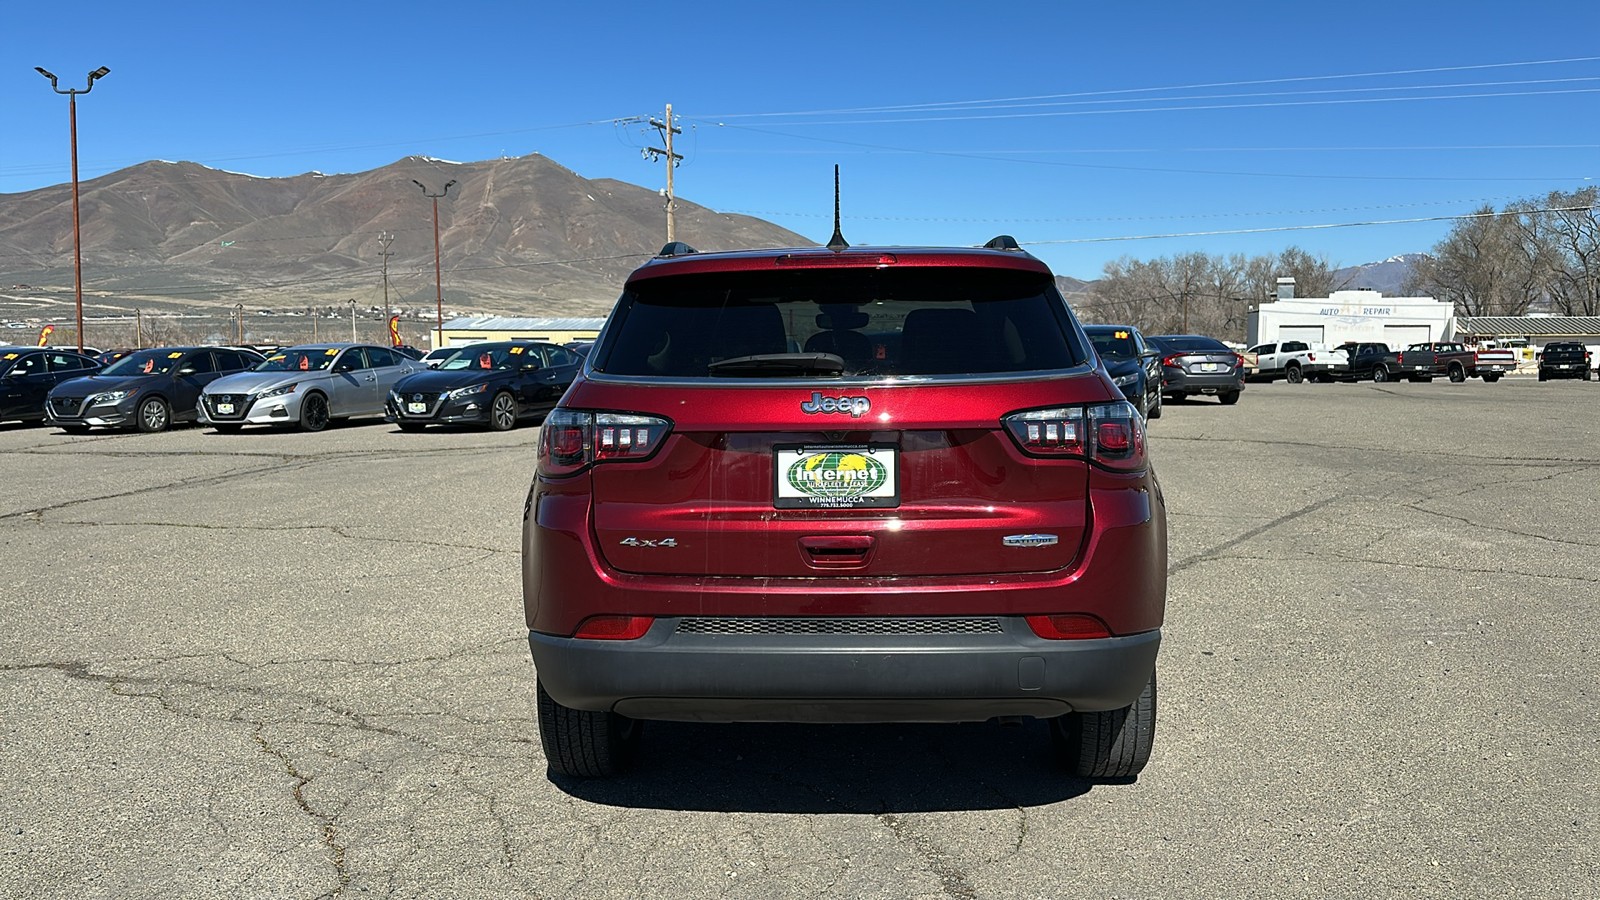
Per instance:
{"type": "Point", "coordinates": [880, 322]}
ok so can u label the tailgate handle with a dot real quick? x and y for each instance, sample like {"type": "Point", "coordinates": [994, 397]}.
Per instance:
{"type": "Point", "coordinates": [836, 551]}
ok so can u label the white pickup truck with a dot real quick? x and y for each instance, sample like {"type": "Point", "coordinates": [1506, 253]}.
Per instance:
{"type": "Point", "coordinates": [1296, 361]}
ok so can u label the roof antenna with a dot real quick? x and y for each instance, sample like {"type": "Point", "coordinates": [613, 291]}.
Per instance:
{"type": "Point", "coordinates": [837, 242]}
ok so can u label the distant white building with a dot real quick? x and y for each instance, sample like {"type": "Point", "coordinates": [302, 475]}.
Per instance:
{"type": "Point", "coordinates": [1350, 316]}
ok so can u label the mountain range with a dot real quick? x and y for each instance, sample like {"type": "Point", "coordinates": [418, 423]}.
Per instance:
{"type": "Point", "coordinates": [517, 236]}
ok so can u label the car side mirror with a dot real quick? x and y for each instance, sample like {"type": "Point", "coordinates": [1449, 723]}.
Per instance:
{"type": "Point", "coordinates": [530, 367]}
{"type": "Point", "coordinates": [186, 370]}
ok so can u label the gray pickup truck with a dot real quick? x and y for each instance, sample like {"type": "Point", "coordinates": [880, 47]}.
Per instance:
{"type": "Point", "coordinates": [1377, 362]}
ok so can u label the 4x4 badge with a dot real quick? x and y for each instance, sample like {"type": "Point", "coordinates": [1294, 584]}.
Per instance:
{"type": "Point", "coordinates": [635, 542]}
{"type": "Point", "coordinates": [855, 406]}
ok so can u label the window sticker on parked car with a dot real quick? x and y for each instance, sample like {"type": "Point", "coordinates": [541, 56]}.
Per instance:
{"type": "Point", "coordinates": [837, 477]}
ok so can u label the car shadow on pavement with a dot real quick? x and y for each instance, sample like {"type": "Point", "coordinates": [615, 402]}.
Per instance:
{"type": "Point", "coordinates": [848, 769]}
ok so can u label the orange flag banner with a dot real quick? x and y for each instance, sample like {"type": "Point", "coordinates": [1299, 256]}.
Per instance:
{"type": "Point", "coordinates": [44, 334]}
{"type": "Point", "coordinates": [394, 331]}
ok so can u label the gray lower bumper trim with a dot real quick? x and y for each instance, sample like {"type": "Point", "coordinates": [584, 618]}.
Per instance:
{"type": "Point", "coordinates": [834, 678]}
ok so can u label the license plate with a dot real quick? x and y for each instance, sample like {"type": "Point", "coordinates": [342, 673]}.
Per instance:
{"type": "Point", "coordinates": [416, 407]}
{"type": "Point", "coordinates": [225, 409]}
{"type": "Point", "coordinates": [843, 476]}
{"type": "Point", "coordinates": [1211, 367]}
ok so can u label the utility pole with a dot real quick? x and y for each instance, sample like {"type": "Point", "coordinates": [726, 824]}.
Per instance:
{"type": "Point", "coordinates": [438, 283]}
{"type": "Point", "coordinates": [384, 240]}
{"type": "Point", "coordinates": [352, 320]}
{"type": "Point", "coordinates": [1185, 312]}
{"type": "Point", "coordinates": [654, 153]}
{"type": "Point", "coordinates": [238, 323]}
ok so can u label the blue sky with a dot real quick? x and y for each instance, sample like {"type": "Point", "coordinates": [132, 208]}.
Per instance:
{"type": "Point", "coordinates": [1072, 126]}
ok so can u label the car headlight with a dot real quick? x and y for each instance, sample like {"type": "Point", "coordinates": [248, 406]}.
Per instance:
{"type": "Point", "coordinates": [458, 393]}
{"type": "Point", "coordinates": [110, 397]}
{"type": "Point", "coordinates": [1126, 380]}
{"type": "Point", "coordinates": [278, 391]}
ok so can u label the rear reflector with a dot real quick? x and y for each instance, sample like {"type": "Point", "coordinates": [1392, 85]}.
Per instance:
{"type": "Point", "coordinates": [1068, 628]}
{"type": "Point", "coordinates": [614, 628]}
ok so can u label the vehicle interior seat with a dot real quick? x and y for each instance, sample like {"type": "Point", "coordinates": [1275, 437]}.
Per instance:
{"type": "Point", "coordinates": [839, 337]}
{"type": "Point", "coordinates": [938, 341]}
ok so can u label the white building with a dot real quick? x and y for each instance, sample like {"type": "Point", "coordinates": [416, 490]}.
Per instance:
{"type": "Point", "coordinates": [1350, 316]}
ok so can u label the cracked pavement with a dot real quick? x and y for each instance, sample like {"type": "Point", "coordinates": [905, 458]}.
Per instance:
{"type": "Point", "coordinates": [283, 665]}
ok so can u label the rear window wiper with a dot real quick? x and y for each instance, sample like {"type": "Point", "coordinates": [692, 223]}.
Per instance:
{"type": "Point", "coordinates": [779, 364]}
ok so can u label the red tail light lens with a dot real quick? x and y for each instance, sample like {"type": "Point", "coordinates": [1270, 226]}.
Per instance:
{"type": "Point", "coordinates": [1110, 434]}
{"type": "Point", "coordinates": [572, 440]}
{"type": "Point", "coordinates": [614, 628]}
{"type": "Point", "coordinates": [1068, 628]}
{"type": "Point", "coordinates": [1049, 432]}
{"type": "Point", "coordinates": [1173, 359]}
{"type": "Point", "coordinates": [1237, 360]}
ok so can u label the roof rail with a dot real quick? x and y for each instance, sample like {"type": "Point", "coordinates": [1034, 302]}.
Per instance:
{"type": "Point", "coordinates": [676, 248]}
{"type": "Point", "coordinates": [1002, 242]}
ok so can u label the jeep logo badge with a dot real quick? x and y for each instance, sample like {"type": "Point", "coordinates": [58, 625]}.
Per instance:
{"type": "Point", "coordinates": [855, 406]}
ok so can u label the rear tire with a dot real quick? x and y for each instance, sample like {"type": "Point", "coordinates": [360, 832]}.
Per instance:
{"type": "Point", "coordinates": [1458, 374]}
{"type": "Point", "coordinates": [1112, 744]}
{"type": "Point", "coordinates": [1492, 378]}
{"type": "Point", "coordinates": [1229, 399]}
{"type": "Point", "coordinates": [1293, 375]}
{"type": "Point", "coordinates": [582, 743]}
{"type": "Point", "coordinates": [1380, 374]}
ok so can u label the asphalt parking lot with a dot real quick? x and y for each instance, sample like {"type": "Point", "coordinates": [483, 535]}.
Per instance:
{"type": "Point", "coordinates": [284, 665]}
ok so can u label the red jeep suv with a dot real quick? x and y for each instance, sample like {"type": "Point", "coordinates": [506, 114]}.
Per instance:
{"type": "Point", "coordinates": [844, 485]}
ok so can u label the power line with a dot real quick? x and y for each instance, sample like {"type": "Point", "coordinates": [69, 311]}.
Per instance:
{"type": "Point", "coordinates": [1322, 227]}
{"type": "Point", "coordinates": [1180, 87]}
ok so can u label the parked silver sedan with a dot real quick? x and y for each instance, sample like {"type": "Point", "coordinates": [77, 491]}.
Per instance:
{"type": "Point", "coordinates": [308, 385]}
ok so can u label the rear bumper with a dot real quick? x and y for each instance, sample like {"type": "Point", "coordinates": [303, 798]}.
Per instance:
{"type": "Point", "coordinates": [1190, 383]}
{"type": "Point", "coordinates": [674, 675]}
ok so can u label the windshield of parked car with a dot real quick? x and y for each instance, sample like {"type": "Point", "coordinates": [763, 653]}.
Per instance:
{"type": "Point", "coordinates": [485, 357]}
{"type": "Point", "coordinates": [880, 322]}
{"type": "Point", "coordinates": [1115, 344]}
{"type": "Point", "coordinates": [1191, 344]}
{"type": "Point", "coordinates": [313, 360]}
{"type": "Point", "coordinates": [145, 362]}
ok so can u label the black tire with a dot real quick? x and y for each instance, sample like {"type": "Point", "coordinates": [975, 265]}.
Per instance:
{"type": "Point", "coordinates": [1585, 376]}
{"type": "Point", "coordinates": [1229, 398]}
{"type": "Point", "coordinates": [502, 412]}
{"type": "Point", "coordinates": [154, 415]}
{"type": "Point", "coordinates": [314, 412]}
{"type": "Point", "coordinates": [411, 426]}
{"type": "Point", "coordinates": [1379, 373]}
{"type": "Point", "coordinates": [1155, 411]}
{"type": "Point", "coordinates": [1492, 378]}
{"type": "Point", "coordinates": [1293, 375]}
{"type": "Point", "coordinates": [585, 744]}
{"type": "Point", "coordinates": [1541, 375]}
{"type": "Point", "coordinates": [1111, 744]}
{"type": "Point", "coordinates": [1457, 374]}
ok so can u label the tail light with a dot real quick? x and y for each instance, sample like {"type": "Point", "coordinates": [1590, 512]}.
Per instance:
{"type": "Point", "coordinates": [1108, 434]}
{"type": "Point", "coordinates": [1311, 357]}
{"type": "Point", "coordinates": [1399, 359]}
{"type": "Point", "coordinates": [572, 440]}
{"type": "Point", "coordinates": [1172, 359]}
{"type": "Point", "coordinates": [1237, 360]}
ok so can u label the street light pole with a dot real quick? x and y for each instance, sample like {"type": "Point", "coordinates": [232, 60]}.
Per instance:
{"type": "Point", "coordinates": [72, 116]}
{"type": "Point", "coordinates": [438, 282]}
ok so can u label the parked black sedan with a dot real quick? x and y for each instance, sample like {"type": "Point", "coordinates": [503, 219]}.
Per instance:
{"type": "Point", "coordinates": [1194, 364]}
{"type": "Point", "coordinates": [1131, 363]}
{"type": "Point", "coordinates": [28, 373]}
{"type": "Point", "coordinates": [493, 383]}
{"type": "Point", "coordinates": [147, 389]}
